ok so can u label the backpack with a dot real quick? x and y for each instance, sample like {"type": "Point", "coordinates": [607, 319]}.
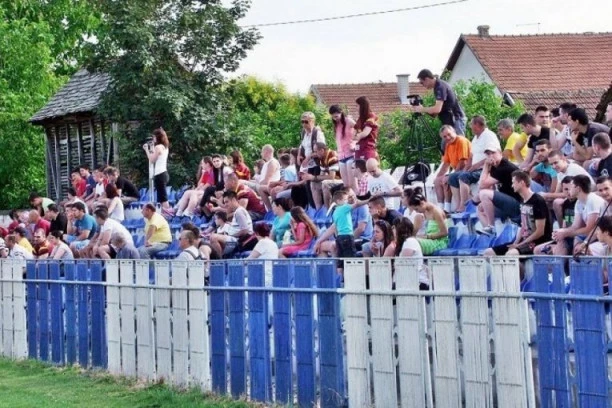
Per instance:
{"type": "Point", "coordinates": [197, 257]}
{"type": "Point", "coordinates": [417, 172]}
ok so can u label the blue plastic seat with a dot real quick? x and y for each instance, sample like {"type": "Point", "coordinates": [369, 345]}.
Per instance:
{"type": "Point", "coordinates": [481, 243]}
{"type": "Point", "coordinates": [170, 253]}
{"type": "Point", "coordinates": [507, 235]}
{"type": "Point", "coordinates": [321, 218]}
{"type": "Point", "coordinates": [464, 241]}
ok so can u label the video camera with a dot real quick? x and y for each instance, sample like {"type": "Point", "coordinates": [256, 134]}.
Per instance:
{"type": "Point", "coordinates": [415, 100]}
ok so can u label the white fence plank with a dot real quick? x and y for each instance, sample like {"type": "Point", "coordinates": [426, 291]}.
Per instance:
{"type": "Point", "coordinates": [7, 309]}
{"type": "Point", "coordinates": [144, 324]}
{"type": "Point", "coordinates": [113, 319]}
{"type": "Point", "coordinates": [3, 265]}
{"type": "Point", "coordinates": [163, 339]}
{"type": "Point", "coordinates": [447, 389]}
{"type": "Point", "coordinates": [356, 325]}
{"type": "Point", "coordinates": [128, 335]}
{"type": "Point", "coordinates": [513, 363]}
{"type": "Point", "coordinates": [199, 344]}
{"type": "Point", "coordinates": [20, 346]}
{"type": "Point", "coordinates": [383, 343]}
{"type": "Point", "coordinates": [414, 367]}
{"type": "Point", "coordinates": [180, 333]}
{"type": "Point", "coordinates": [475, 334]}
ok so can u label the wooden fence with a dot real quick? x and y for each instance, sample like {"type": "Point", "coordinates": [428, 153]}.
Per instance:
{"type": "Point", "coordinates": [283, 332]}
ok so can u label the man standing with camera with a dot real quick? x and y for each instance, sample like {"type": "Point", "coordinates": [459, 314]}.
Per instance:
{"type": "Point", "coordinates": [447, 106]}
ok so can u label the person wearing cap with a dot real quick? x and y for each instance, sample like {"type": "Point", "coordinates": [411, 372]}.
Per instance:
{"type": "Point", "coordinates": [501, 203]}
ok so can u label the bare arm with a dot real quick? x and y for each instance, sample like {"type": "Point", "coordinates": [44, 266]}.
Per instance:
{"type": "Point", "coordinates": [537, 234]}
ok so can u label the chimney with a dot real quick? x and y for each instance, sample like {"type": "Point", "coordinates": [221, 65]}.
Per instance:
{"type": "Point", "coordinates": [403, 89]}
{"type": "Point", "coordinates": [483, 31]}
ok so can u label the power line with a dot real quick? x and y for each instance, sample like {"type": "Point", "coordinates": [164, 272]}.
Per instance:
{"type": "Point", "coordinates": [373, 13]}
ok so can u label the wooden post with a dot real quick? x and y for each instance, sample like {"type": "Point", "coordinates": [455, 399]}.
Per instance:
{"type": "Point", "coordinates": [92, 132]}
{"type": "Point", "coordinates": [80, 142]}
{"type": "Point", "coordinates": [58, 165]}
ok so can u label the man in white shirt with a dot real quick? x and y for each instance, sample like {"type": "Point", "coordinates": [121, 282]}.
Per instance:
{"type": "Point", "coordinates": [563, 168]}
{"type": "Point", "coordinates": [381, 183]}
{"type": "Point", "coordinates": [107, 228]}
{"type": "Point", "coordinates": [16, 251]}
{"type": "Point", "coordinates": [461, 181]}
{"type": "Point", "coordinates": [187, 242]}
{"type": "Point", "coordinates": [240, 235]}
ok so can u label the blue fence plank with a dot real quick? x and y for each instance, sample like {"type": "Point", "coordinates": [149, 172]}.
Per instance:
{"type": "Point", "coordinates": [57, 321]}
{"type": "Point", "coordinates": [330, 338]}
{"type": "Point", "coordinates": [259, 355]}
{"type": "Point", "coordinates": [32, 310]}
{"type": "Point", "coordinates": [304, 341]}
{"type": "Point", "coordinates": [282, 333]}
{"type": "Point", "coordinates": [589, 334]}
{"type": "Point", "coordinates": [71, 340]}
{"type": "Point", "coordinates": [217, 323]}
{"type": "Point", "coordinates": [236, 330]}
{"type": "Point", "coordinates": [83, 314]}
{"type": "Point", "coordinates": [43, 310]}
{"type": "Point", "coordinates": [98, 336]}
{"type": "Point", "coordinates": [552, 336]}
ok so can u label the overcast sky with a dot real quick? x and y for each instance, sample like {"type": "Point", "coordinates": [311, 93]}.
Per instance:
{"type": "Point", "coordinates": [376, 48]}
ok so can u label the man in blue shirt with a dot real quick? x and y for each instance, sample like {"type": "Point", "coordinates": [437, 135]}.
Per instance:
{"type": "Point", "coordinates": [362, 222]}
{"type": "Point", "coordinates": [84, 228]}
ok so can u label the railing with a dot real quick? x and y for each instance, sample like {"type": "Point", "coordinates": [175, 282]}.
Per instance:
{"type": "Point", "coordinates": [281, 331]}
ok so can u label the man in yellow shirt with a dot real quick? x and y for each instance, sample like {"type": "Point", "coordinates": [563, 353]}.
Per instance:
{"type": "Point", "coordinates": [512, 151]}
{"type": "Point", "coordinates": [157, 233]}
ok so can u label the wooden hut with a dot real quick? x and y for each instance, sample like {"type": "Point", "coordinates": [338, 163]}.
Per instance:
{"type": "Point", "coordinates": [75, 133]}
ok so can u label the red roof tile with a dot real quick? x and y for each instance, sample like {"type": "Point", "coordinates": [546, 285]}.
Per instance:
{"type": "Point", "coordinates": [585, 98]}
{"type": "Point", "coordinates": [550, 62]}
{"type": "Point", "coordinates": [383, 96]}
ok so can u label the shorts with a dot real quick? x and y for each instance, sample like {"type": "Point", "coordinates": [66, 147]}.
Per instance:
{"type": "Point", "coordinates": [78, 245]}
{"type": "Point", "coordinates": [467, 177]}
{"type": "Point", "coordinates": [522, 250]}
{"type": "Point", "coordinates": [112, 252]}
{"type": "Point", "coordinates": [459, 125]}
{"type": "Point", "coordinates": [506, 207]}
{"type": "Point", "coordinates": [345, 245]}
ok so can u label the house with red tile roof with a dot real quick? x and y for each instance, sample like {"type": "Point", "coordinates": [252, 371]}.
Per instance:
{"type": "Point", "coordinates": [543, 69]}
{"type": "Point", "coordinates": [385, 97]}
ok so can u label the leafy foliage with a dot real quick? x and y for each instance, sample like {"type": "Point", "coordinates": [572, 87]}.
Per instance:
{"type": "Point", "coordinates": [166, 59]}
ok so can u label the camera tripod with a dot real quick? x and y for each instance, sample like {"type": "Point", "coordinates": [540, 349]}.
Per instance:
{"type": "Point", "coordinates": [416, 143]}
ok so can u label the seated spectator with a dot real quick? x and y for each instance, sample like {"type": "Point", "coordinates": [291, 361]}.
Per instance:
{"type": "Point", "coordinates": [60, 251]}
{"type": "Point", "coordinates": [380, 245]}
{"type": "Point", "coordinates": [378, 211]}
{"type": "Point", "coordinates": [417, 219]}
{"type": "Point", "coordinates": [534, 133]}
{"type": "Point", "coordinates": [265, 248]}
{"type": "Point", "coordinates": [282, 220]}
{"type": "Point", "coordinates": [187, 243]}
{"type": "Point", "coordinates": [78, 183]}
{"type": "Point", "coordinates": [289, 179]}
{"type": "Point", "coordinates": [90, 181]}
{"type": "Point", "coordinates": [436, 231]}
{"type": "Point", "coordinates": [342, 228]}
{"type": "Point", "coordinates": [257, 170]}
{"type": "Point", "coordinates": [57, 221]}
{"type": "Point", "coordinates": [381, 184]}
{"type": "Point", "coordinates": [461, 181]}
{"type": "Point", "coordinates": [21, 235]}
{"type": "Point", "coordinates": [360, 172]}
{"type": "Point", "coordinates": [362, 221]}
{"type": "Point", "coordinates": [74, 198]}
{"type": "Point", "coordinates": [42, 247]}
{"type": "Point", "coordinates": [220, 171]}
{"type": "Point", "coordinates": [543, 175]}
{"type": "Point", "coordinates": [98, 196]}
{"type": "Point", "coordinates": [583, 132]}
{"type": "Point", "coordinates": [191, 198]}
{"type": "Point", "coordinates": [240, 236]}
{"type": "Point", "coordinates": [84, 228]}
{"type": "Point", "coordinates": [37, 222]}
{"type": "Point", "coordinates": [126, 190]}
{"type": "Point", "coordinates": [505, 130]}
{"type": "Point", "coordinates": [503, 203]}
{"type": "Point", "coordinates": [157, 233]}
{"type": "Point", "coordinates": [563, 168]}
{"type": "Point", "coordinates": [406, 245]}
{"type": "Point", "coordinates": [565, 220]}
{"type": "Point", "coordinates": [123, 250]}
{"type": "Point", "coordinates": [558, 142]}
{"type": "Point", "coordinates": [15, 217]}
{"type": "Point", "coordinates": [542, 116]}
{"type": "Point", "coordinates": [237, 164]}
{"type": "Point", "coordinates": [536, 227]}
{"type": "Point", "coordinates": [603, 249]}
{"type": "Point", "coordinates": [270, 173]}
{"type": "Point", "coordinates": [603, 150]}
{"type": "Point", "coordinates": [15, 250]}
{"type": "Point", "coordinates": [303, 231]}
{"type": "Point", "coordinates": [107, 228]}
{"type": "Point", "coordinates": [246, 198]}
{"type": "Point", "coordinates": [40, 203]}
{"type": "Point", "coordinates": [457, 151]}
{"type": "Point", "coordinates": [604, 189]}
{"type": "Point", "coordinates": [115, 205]}
{"type": "Point", "coordinates": [328, 174]}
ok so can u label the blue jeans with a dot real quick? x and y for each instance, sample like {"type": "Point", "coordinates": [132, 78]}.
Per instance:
{"type": "Point", "coordinates": [506, 207]}
{"type": "Point", "coordinates": [459, 125]}
{"type": "Point", "coordinates": [467, 177]}
{"type": "Point", "coordinates": [538, 188]}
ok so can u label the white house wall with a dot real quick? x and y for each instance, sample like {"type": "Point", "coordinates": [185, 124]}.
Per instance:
{"type": "Point", "coordinates": [468, 67]}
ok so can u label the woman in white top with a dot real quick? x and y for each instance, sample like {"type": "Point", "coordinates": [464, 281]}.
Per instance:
{"type": "Point", "coordinates": [406, 245]}
{"type": "Point", "coordinates": [61, 251]}
{"type": "Point", "coordinates": [157, 153]}
{"type": "Point", "coordinates": [265, 249]}
{"type": "Point", "coordinates": [115, 205]}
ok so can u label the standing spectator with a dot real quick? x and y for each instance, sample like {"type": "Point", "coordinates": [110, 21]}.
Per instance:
{"type": "Point", "coordinates": [58, 221]}
{"type": "Point", "coordinates": [187, 242]}
{"type": "Point", "coordinates": [282, 220]}
{"type": "Point", "coordinates": [42, 248]}
{"type": "Point", "coordinates": [311, 134]}
{"type": "Point", "coordinates": [157, 154]}
{"type": "Point", "coordinates": [37, 222]}
{"type": "Point", "coordinates": [115, 205]}
{"type": "Point", "coordinates": [366, 131]}
{"type": "Point", "coordinates": [344, 129]}
{"type": "Point", "coordinates": [84, 228]}
{"type": "Point", "coordinates": [543, 175]}
{"type": "Point", "coordinates": [157, 233]}
{"type": "Point", "coordinates": [436, 231]}
{"type": "Point", "coordinates": [447, 106]}
{"type": "Point", "coordinates": [603, 150]}
{"type": "Point", "coordinates": [381, 184]}
{"type": "Point", "coordinates": [108, 227]}
{"type": "Point", "coordinates": [327, 161]}
{"type": "Point", "coordinates": [126, 189]}
{"type": "Point", "coordinates": [190, 198]}
{"type": "Point", "coordinates": [461, 181]}
{"type": "Point", "coordinates": [505, 130]}
{"type": "Point", "coordinates": [40, 203]}
{"type": "Point", "coordinates": [566, 219]}
{"type": "Point", "coordinates": [406, 245]}
{"type": "Point", "coordinates": [457, 151]}
{"type": "Point", "coordinates": [123, 249]}
{"type": "Point", "coordinates": [536, 227]}
{"type": "Point", "coordinates": [303, 231]}
{"type": "Point", "coordinates": [237, 163]}
{"type": "Point", "coordinates": [583, 132]}
{"type": "Point", "coordinates": [503, 203]}
{"type": "Point", "coordinates": [61, 251]}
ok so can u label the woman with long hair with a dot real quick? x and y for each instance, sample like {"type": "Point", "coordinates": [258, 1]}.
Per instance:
{"type": "Point", "coordinates": [382, 238]}
{"type": "Point", "coordinates": [366, 131]}
{"type": "Point", "coordinates": [157, 153]}
{"type": "Point", "coordinates": [282, 220]}
{"type": "Point", "coordinates": [406, 245]}
{"type": "Point", "coordinates": [241, 169]}
{"type": "Point", "coordinates": [436, 231]}
{"type": "Point", "coordinates": [303, 231]}
{"type": "Point", "coordinates": [115, 205]}
{"type": "Point", "coordinates": [191, 198]}
{"type": "Point", "coordinates": [344, 128]}
{"type": "Point", "coordinates": [61, 250]}
{"type": "Point", "coordinates": [417, 219]}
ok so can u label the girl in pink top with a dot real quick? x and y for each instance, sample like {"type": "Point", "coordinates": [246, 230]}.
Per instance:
{"type": "Point", "coordinates": [303, 231]}
{"type": "Point", "coordinates": [366, 130]}
{"type": "Point", "coordinates": [344, 127]}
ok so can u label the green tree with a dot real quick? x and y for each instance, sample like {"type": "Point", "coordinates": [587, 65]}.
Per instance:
{"type": "Point", "coordinates": [166, 59]}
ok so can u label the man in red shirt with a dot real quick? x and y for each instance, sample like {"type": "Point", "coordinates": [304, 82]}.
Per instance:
{"type": "Point", "coordinates": [37, 222]}
{"type": "Point", "coordinates": [79, 183]}
{"type": "Point", "coordinates": [246, 197]}
{"type": "Point", "coordinates": [42, 247]}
